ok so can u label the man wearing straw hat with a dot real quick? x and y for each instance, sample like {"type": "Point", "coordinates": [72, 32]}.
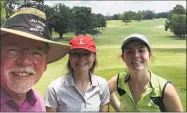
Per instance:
{"type": "Point", "coordinates": [26, 49]}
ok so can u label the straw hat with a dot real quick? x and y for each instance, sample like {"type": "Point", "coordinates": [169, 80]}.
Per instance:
{"type": "Point", "coordinates": [31, 23]}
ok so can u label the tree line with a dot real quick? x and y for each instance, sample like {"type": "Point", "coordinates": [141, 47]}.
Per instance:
{"type": "Point", "coordinates": [81, 20]}
{"type": "Point", "coordinates": [140, 15]}
{"type": "Point", "coordinates": [60, 18]}
{"type": "Point", "coordinates": [175, 19]}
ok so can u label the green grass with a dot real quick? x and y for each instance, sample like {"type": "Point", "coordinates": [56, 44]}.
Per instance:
{"type": "Point", "coordinates": [169, 54]}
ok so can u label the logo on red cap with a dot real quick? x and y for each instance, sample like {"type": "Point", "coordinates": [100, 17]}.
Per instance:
{"type": "Point", "coordinates": [81, 41]}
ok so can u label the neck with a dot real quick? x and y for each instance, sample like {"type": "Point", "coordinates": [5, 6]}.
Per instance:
{"type": "Point", "coordinates": [81, 76]}
{"type": "Point", "coordinates": [18, 98]}
{"type": "Point", "coordinates": [82, 81]}
{"type": "Point", "coordinates": [140, 77]}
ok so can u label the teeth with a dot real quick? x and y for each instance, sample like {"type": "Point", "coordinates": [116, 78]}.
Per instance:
{"type": "Point", "coordinates": [81, 64]}
{"type": "Point", "coordinates": [136, 62]}
{"type": "Point", "coordinates": [22, 74]}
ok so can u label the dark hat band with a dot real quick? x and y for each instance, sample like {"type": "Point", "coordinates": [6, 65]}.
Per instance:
{"type": "Point", "coordinates": [30, 24]}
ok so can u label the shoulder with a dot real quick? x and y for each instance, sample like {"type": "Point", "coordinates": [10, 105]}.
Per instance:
{"type": "Point", "coordinates": [112, 83]}
{"type": "Point", "coordinates": [169, 89]}
{"type": "Point", "coordinates": [59, 82]}
{"type": "Point", "coordinates": [39, 100]}
{"type": "Point", "coordinates": [113, 80]}
{"type": "Point", "coordinates": [37, 95]}
{"type": "Point", "coordinates": [99, 79]}
{"type": "Point", "coordinates": [101, 84]}
{"type": "Point", "coordinates": [157, 80]}
{"type": "Point", "coordinates": [171, 99]}
{"type": "Point", "coordinates": [170, 92]}
{"type": "Point", "coordinates": [156, 76]}
{"type": "Point", "coordinates": [160, 84]}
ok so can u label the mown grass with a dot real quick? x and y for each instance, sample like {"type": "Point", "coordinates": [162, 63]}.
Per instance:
{"type": "Point", "coordinates": [169, 54]}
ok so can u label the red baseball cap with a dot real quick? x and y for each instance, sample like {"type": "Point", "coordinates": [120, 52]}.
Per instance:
{"type": "Point", "coordinates": [84, 42]}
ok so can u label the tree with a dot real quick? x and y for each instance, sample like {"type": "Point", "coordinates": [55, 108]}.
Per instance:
{"type": "Point", "coordinates": [176, 21]}
{"type": "Point", "coordinates": [167, 25]}
{"type": "Point", "coordinates": [139, 16]}
{"type": "Point", "coordinates": [81, 20]}
{"type": "Point", "coordinates": [31, 3]}
{"type": "Point", "coordinates": [126, 18]}
{"type": "Point", "coordinates": [3, 13]}
{"type": "Point", "coordinates": [12, 5]}
{"type": "Point", "coordinates": [178, 25]}
{"type": "Point", "coordinates": [161, 15]}
{"type": "Point", "coordinates": [61, 19]}
{"type": "Point", "coordinates": [116, 17]}
{"type": "Point", "coordinates": [147, 14]}
{"type": "Point", "coordinates": [108, 17]}
{"type": "Point", "coordinates": [169, 15]}
{"type": "Point", "coordinates": [179, 9]}
{"type": "Point", "coordinates": [94, 21]}
{"type": "Point", "coordinates": [49, 11]}
{"type": "Point", "coordinates": [101, 20]}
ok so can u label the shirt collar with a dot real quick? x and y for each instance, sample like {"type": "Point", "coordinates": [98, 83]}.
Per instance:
{"type": "Point", "coordinates": [127, 77]}
{"type": "Point", "coordinates": [31, 97]}
{"type": "Point", "coordinates": [69, 79]}
{"type": "Point", "coordinates": [94, 80]}
{"type": "Point", "coordinates": [4, 96]}
{"type": "Point", "coordinates": [152, 83]}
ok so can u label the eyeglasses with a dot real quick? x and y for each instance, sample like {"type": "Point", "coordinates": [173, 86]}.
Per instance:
{"type": "Point", "coordinates": [16, 52]}
{"type": "Point", "coordinates": [80, 54]}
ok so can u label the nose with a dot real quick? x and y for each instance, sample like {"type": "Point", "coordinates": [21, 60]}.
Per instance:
{"type": "Point", "coordinates": [136, 53]}
{"type": "Point", "coordinates": [81, 56]}
{"type": "Point", "coordinates": [25, 58]}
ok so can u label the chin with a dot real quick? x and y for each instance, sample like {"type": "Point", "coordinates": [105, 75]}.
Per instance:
{"type": "Point", "coordinates": [138, 68]}
{"type": "Point", "coordinates": [20, 87]}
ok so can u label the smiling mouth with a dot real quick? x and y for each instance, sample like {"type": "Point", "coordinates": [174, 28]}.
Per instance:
{"type": "Point", "coordinates": [136, 62]}
{"type": "Point", "coordinates": [22, 74]}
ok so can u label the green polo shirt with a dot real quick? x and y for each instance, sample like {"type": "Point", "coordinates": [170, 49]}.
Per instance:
{"type": "Point", "coordinates": [152, 99]}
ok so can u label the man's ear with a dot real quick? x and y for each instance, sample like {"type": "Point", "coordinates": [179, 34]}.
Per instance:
{"type": "Point", "coordinates": [45, 67]}
{"type": "Point", "coordinates": [46, 64]}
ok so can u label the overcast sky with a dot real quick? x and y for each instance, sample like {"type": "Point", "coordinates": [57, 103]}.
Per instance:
{"type": "Point", "coordinates": [114, 7]}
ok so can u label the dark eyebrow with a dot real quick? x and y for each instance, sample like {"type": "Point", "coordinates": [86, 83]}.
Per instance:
{"type": "Point", "coordinates": [127, 48]}
{"type": "Point", "coordinates": [12, 44]}
{"type": "Point", "coordinates": [40, 48]}
{"type": "Point", "coordinates": [141, 47]}
{"type": "Point", "coordinates": [86, 51]}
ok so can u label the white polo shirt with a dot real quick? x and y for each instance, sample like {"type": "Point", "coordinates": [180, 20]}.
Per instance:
{"type": "Point", "coordinates": [63, 94]}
